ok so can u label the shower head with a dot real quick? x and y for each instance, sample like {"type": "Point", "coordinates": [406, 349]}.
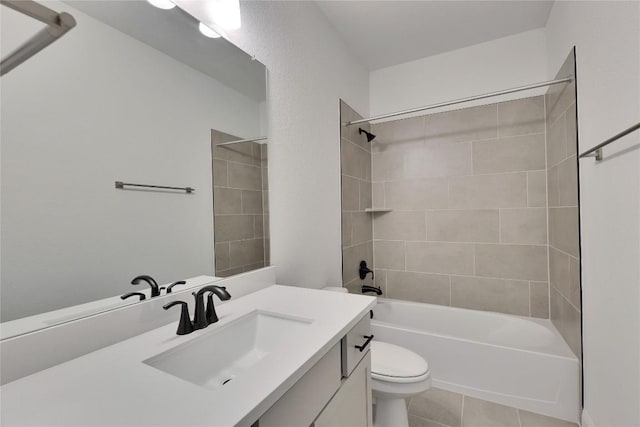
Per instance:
{"type": "Point", "coordinates": [370, 136]}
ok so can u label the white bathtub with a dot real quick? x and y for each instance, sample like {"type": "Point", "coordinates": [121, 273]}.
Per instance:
{"type": "Point", "coordinates": [512, 360]}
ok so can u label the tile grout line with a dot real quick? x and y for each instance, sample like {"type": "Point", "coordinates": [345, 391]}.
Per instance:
{"type": "Point", "coordinates": [470, 209]}
{"type": "Point", "coordinates": [447, 177]}
{"type": "Point", "coordinates": [461, 243]}
{"type": "Point", "coordinates": [519, 421]}
{"type": "Point", "coordinates": [563, 252]}
{"type": "Point", "coordinates": [497, 119]}
{"type": "Point", "coordinates": [462, 411]}
{"type": "Point", "coordinates": [546, 190]}
{"type": "Point", "coordinates": [356, 144]}
{"type": "Point", "coordinates": [426, 226]}
{"type": "Point", "coordinates": [530, 299]}
{"type": "Point", "coordinates": [527, 185]}
{"type": "Point", "coordinates": [404, 243]}
{"type": "Point", "coordinates": [225, 187]}
{"type": "Point", "coordinates": [473, 169]}
{"type": "Point", "coordinates": [451, 275]}
{"type": "Point", "coordinates": [475, 267]}
{"type": "Point", "coordinates": [560, 114]}
{"type": "Point", "coordinates": [236, 162]}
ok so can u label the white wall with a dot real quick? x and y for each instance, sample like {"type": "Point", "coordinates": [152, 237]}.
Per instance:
{"type": "Point", "coordinates": [486, 67]}
{"type": "Point", "coordinates": [607, 39]}
{"type": "Point", "coordinates": [95, 107]}
{"type": "Point", "coordinates": [309, 68]}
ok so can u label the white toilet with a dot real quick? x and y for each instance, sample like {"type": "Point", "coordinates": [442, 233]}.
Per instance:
{"type": "Point", "coordinates": [397, 373]}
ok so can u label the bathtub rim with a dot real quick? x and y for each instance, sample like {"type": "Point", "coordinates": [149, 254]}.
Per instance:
{"type": "Point", "coordinates": [546, 323]}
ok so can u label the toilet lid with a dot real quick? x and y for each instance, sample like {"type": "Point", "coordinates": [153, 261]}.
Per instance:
{"type": "Point", "coordinates": [393, 363]}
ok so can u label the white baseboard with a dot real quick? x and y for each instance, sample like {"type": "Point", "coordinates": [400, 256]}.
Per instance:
{"type": "Point", "coordinates": [587, 421]}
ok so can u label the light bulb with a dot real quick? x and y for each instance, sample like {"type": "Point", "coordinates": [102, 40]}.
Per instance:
{"type": "Point", "coordinates": [208, 32]}
{"type": "Point", "coordinates": [225, 13]}
{"type": "Point", "coordinates": [163, 4]}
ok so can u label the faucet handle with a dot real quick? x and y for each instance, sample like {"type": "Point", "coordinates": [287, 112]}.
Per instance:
{"type": "Point", "coordinates": [130, 294]}
{"type": "Point", "coordinates": [200, 317]}
{"type": "Point", "coordinates": [212, 316]}
{"type": "Point", "coordinates": [170, 287]}
{"type": "Point", "coordinates": [364, 270]}
{"type": "Point", "coordinates": [185, 326]}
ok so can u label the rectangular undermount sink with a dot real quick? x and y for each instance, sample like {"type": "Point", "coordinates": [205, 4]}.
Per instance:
{"type": "Point", "coordinates": [218, 357]}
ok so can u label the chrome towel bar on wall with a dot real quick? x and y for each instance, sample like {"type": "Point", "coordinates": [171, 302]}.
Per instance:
{"type": "Point", "coordinates": [121, 185]}
{"type": "Point", "coordinates": [597, 151]}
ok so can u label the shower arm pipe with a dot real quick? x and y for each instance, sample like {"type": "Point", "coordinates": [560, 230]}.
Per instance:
{"type": "Point", "coordinates": [57, 25]}
{"type": "Point", "coordinates": [260, 138]}
{"type": "Point", "coordinates": [462, 100]}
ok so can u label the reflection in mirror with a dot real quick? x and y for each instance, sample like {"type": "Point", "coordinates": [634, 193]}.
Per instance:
{"type": "Point", "coordinates": [240, 203]}
{"type": "Point", "coordinates": [130, 94]}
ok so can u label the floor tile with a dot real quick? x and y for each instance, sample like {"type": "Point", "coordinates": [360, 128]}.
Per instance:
{"type": "Point", "coordinates": [438, 405]}
{"type": "Point", "coordinates": [529, 419]}
{"type": "Point", "coordinates": [421, 422]}
{"type": "Point", "coordinates": [480, 413]}
{"type": "Point", "coordinates": [441, 408]}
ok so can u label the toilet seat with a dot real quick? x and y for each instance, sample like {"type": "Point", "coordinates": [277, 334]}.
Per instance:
{"type": "Point", "coordinates": [395, 364]}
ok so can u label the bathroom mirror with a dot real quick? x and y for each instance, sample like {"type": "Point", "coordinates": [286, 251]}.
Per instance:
{"type": "Point", "coordinates": [130, 95]}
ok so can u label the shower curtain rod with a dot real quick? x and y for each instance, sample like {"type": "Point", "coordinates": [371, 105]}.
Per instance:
{"type": "Point", "coordinates": [461, 100]}
{"type": "Point", "coordinates": [260, 138]}
{"type": "Point", "coordinates": [57, 25]}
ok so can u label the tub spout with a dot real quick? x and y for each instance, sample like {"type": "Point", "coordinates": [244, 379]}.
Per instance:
{"type": "Point", "coordinates": [367, 288]}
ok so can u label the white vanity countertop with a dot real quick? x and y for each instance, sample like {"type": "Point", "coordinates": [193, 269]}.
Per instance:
{"type": "Point", "coordinates": [113, 386]}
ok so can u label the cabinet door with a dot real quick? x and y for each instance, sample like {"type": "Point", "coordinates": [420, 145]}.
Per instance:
{"type": "Point", "coordinates": [306, 398]}
{"type": "Point", "coordinates": [351, 405]}
{"type": "Point", "coordinates": [358, 336]}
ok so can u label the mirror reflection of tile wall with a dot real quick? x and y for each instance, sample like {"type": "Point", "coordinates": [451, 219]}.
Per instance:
{"type": "Point", "coordinates": [240, 205]}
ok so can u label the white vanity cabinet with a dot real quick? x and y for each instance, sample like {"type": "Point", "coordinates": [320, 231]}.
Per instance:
{"type": "Point", "coordinates": [335, 392]}
{"type": "Point", "coordinates": [351, 405]}
{"type": "Point", "coordinates": [312, 373]}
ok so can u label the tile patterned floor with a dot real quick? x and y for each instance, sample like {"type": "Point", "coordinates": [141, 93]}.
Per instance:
{"type": "Point", "coordinates": [441, 408]}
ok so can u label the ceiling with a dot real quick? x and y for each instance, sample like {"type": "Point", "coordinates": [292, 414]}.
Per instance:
{"type": "Point", "coordinates": [175, 33]}
{"type": "Point", "coordinates": [386, 33]}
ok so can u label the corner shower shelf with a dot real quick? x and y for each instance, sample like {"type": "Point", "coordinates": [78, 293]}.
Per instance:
{"type": "Point", "coordinates": [377, 210]}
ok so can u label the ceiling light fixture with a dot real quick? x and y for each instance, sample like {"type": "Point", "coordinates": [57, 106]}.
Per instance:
{"type": "Point", "coordinates": [224, 13]}
{"type": "Point", "coordinates": [208, 32]}
{"type": "Point", "coordinates": [162, 4]}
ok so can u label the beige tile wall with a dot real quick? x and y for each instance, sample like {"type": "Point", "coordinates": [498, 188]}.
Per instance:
{"type": "Point", "coordinates": [240, 205]}
{"type": "Point", "coordinates": [468, 194]}
{"type": "Point", "coordinates": [357, 225]}
{"type": "Point", "coordinates": [562, 176]}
